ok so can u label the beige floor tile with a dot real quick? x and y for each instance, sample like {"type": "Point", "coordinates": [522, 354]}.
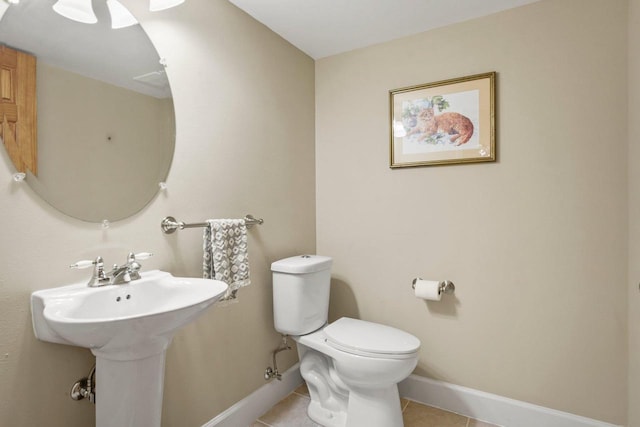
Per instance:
{"type": "Point", "coordinates": [303, 389]}
{"type": "Point", "coordinates": [476, 423]}
{"type": "Point", "coordinates": [290, 412]}
{"type": "Point", "coordinates": [417, 415]}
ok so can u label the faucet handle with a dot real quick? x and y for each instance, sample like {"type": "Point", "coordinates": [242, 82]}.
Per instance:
{"type": "Point", "coordinates": [131, 257]}
{"type": "Point", "coordinates": [98, 278]}
{"type": "Point", "coordinates": [143, 255]}
{"type": "Point", "coordinates": [86, 263]}
{"type": "Point", "coordinates": [133, 266]}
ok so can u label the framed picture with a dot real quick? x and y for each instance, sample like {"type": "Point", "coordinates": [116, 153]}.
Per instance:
{"type": "Point", "coordinates": [451, 121]}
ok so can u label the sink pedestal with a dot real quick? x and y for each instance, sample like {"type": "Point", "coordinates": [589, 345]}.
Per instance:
{"type": "Point", "coordinates": [129, 392]}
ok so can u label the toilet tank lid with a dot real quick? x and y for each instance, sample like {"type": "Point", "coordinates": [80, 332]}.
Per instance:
{"type": "Point", "coordinates": [353, 335]}
{"type": "Point", "coordinates": [302, 264]}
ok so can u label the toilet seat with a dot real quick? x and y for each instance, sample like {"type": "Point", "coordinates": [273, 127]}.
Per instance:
{"type": "Point", "coordinates": [370, 339]}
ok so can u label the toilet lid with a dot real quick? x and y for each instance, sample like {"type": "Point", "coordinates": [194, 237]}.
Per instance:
{"type": "Point", "coordinates": [359, 336]}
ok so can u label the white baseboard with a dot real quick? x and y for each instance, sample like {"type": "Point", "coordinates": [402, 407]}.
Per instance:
{"type": "Point", "coordinates": [489, 407]}
{"type": "Point", "coordinates": [249, 409]}
{"type": "Point", "coordinates": [465, 401]}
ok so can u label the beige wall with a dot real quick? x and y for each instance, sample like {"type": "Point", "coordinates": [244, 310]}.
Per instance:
{"type": "Point", "coordinates": [535, 243]}
{"type": "Point", "coordinates": [634, 214]}
{"type": "Point", "coordinates": [245, 144]}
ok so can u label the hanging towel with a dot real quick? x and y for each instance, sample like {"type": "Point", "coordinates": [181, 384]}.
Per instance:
{"type": "Point", "coordinates": [225, 254]}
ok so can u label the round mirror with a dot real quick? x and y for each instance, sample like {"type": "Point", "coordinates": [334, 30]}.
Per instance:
{"type": "Point", "coordinates": [105, 131]}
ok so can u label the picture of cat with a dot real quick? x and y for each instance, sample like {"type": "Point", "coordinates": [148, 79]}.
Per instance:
{"type": "Point", "coordinates": [451, 121]}
{"type": "Point", "coordinates": [458, 127]}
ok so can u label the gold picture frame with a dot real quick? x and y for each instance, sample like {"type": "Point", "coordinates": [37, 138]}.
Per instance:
{"type": "Point", "coordinates": [446, 122]}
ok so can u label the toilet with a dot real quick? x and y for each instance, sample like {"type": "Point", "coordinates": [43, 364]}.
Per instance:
{"type": "Point", "coordinates": [351, 367]}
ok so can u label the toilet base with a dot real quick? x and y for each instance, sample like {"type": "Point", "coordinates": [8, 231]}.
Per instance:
{"type": "Point", "coordinates": [374, 408]}
{"type": "Point", "coordinates": [371, 408]}
{"type": "Point", "coordinates": [335, 404]}
{"type": "Point", "coordinates": [324, 417]}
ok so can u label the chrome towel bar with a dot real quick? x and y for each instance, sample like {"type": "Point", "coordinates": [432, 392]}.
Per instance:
{"type": "Point", "coordinates": [169, 224]}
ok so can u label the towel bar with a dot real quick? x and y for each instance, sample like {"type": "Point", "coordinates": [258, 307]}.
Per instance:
{"type": "Point", "coordinates": [169, 224]}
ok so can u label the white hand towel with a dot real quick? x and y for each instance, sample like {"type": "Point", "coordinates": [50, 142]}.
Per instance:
{"type": "Point", "coordinates": [225, 254]}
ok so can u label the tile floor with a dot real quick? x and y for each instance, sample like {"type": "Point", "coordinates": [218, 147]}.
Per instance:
{"type": "Point", "coordinates": [292, 412]}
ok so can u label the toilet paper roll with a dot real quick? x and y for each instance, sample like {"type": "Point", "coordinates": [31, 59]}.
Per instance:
{"type": "Point", "coordinates": [428, 289]}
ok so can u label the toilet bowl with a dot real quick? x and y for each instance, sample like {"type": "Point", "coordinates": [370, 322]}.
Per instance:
{"type": "Point", "coordinates": [364, 361]}
{"type": "Point", "coordinates": [351, 367]}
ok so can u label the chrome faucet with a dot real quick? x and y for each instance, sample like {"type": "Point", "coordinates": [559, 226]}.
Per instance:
{"type": "Point", "coordinates": [118, 275]}
{"type": "Point", "coordinates": [126, 272]}
{"type": "Point", "coordinates": [98, 278]}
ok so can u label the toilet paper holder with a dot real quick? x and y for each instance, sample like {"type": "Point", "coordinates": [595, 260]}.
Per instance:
{"type": "Point", "coordinates": [444, 287]}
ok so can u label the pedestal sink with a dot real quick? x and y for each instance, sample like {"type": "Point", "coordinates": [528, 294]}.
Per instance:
{"type": "Point", "coordinates": [128, 328]}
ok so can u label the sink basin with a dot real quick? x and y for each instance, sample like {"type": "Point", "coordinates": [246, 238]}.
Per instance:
{"type": "Point", "coordinates": [127, 321]}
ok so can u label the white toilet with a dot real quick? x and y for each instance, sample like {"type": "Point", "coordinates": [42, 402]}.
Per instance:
{"type": "Point", "coordinates": [352, 367]}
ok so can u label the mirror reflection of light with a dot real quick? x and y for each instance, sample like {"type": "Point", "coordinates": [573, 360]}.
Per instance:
{"type": "Point", "coordinates": [4, 5]}
{"type": "Point", "coordinates": [82, 10]}
{"type": "Point", "coordinates": [156, 5]}
{"type": "Point", "coordinates": [120, 15]}
{"type": "Point", "coordinates": [76, 10]}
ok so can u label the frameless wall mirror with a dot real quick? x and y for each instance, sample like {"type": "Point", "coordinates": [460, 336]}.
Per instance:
{"type": "Point", "coordinates": [105, 117]}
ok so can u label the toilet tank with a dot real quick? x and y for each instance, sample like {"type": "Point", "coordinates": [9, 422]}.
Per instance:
{"type": "Point", "coordinates": [301, 293]}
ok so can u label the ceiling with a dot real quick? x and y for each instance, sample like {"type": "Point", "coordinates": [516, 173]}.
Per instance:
{"type": "Point", "coordinates": [323, 28]}
{"type": "Point", "coordinates": [319, 28]}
